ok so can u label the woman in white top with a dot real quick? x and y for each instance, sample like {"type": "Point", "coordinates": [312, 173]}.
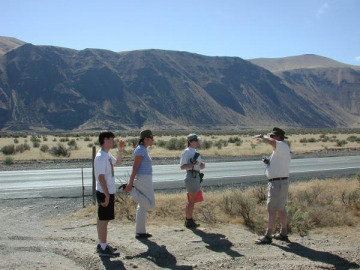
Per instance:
{"type": "Point", "coordinates": [191, 162]}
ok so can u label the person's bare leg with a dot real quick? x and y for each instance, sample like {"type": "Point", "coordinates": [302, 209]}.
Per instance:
{"type": "Point", "coordinates": [190, 205]}
{"type": "Point", "coordinates": [102, 230]}
{"type": "Point", "coordinates": [283, 222]}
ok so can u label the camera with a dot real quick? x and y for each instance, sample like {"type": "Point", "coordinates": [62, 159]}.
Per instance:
{"type": "Point", "coordinates": [266, 160]}
{"type": "Point", "coordinates": [194, 159]}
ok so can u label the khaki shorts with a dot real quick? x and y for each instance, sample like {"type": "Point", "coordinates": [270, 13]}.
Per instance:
{"type": "Point", "coordinates": [192, 181]}
{"type": "Point", "coordinates": [277, 195]}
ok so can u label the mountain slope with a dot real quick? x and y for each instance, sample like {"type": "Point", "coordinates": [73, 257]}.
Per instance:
{"type": "Point", "coordinates": [298, 62]}
{"type": "Point", "coordinates": [7, 44]}
{"type": "Point", "coordinates": [57, 88]}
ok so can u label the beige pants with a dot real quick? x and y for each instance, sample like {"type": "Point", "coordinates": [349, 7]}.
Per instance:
{"type": "Point", "coordinates": [143, 194]}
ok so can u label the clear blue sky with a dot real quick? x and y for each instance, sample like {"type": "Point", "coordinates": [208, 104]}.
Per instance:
{"type": "Point", "coordinates": [244, 28]}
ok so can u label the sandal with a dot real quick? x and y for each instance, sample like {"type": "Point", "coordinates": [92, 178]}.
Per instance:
{"type": "Point", "coordinates": [263, 240]}
{"type": "Point", "coordinates": [281, 237]}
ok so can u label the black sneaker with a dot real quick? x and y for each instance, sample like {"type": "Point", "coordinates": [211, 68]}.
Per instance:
{"type": "Point", "coordinates": [190, 223]}
{"type": "Point", "coordinates": [98, 247]}
{"type": "Point", "coordinates": [143, 235]}
{"type": "Point", "coordinates": [107, 252]}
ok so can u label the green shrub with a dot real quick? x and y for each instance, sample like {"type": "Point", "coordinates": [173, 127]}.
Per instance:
{"type": "Point", "coordinates": [8, 149]}
{"type": "Point", "coordinates": [341, 143]}
{"type": "Point", "coordinates": [235, 203]}
{"type": "Point", "coordinates": [8, 160]}
{"type": "Point", "coordinates": [36, 144]}
{"type": "Point", "coordinates": [60, 151]}
{"type": "Point", "coordinates": [16, 140]}
{"type": "Point", "coordinates": [22, 147]}
{"type": "Point", "coordinates": [235, 140]}
{"type": "Point", "coordinates": [72, 145]}
{"type": "Point", "coordinates": [220, 143]}
{"type": "Point", "coordinates": [133, 142]}
{"type": "Point", "coordinates": [34, 138]}
{"type": "Point", "coordinates": [206, 144]}
{"type": "Point", "coordinates": [176, 144]}
{"type": "Point", "coordinates": [44, 148]}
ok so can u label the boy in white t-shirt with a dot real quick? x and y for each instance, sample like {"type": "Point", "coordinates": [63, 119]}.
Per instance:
{"type": "Point", "coordinates": [104, 163]}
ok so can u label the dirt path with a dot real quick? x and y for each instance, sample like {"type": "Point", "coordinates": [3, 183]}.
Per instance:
{"type": "Point", "coordinates": [40, 234]}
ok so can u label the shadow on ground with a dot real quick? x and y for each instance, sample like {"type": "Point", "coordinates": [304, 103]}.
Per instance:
{"type": "Point", "coordinates": [217, 242]}
{"type": "Point", "coordinates": [112, 265]}
{"type": "Point", "coordinates": [319, 256]}
{"type": "Point", "coordinates": [160, 256]}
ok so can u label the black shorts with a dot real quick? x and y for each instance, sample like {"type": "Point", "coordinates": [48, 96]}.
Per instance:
{"type": "Point", "coordinates": [105, 213]}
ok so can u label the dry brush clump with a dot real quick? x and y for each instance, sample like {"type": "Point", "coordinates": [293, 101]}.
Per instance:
{"type": "Point", "coordinates": [313, 204]}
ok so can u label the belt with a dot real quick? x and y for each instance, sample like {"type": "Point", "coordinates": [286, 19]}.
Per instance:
{"type": "Point", "coordinates": [279, 178]}
{"type": "Point", "coordinates": [192, 171]}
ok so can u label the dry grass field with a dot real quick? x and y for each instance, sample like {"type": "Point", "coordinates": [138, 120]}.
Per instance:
{"type": "Point", "coordinates": [313, 204]}
{"type": "Point", "coordinates": [38, 147]}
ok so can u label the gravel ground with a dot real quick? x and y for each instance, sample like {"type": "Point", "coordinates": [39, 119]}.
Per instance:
{"type": "Point", "coordinates": [52, 233]}
{"type": "Point", "coordinates": [46, 234]}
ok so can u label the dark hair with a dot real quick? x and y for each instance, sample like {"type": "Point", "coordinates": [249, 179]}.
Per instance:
{"type": "Point", "coordinates": [141, 141]}
{"type": "Point", "coordinates": [105, 134]}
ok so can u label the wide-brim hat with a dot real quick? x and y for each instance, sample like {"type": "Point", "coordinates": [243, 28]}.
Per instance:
{"type": "Point", "coordinates": [278, 132]}
{"type": "Point", "coordinates": [146, 134]}
{"type": "Point", "coordinates": [193, 137]}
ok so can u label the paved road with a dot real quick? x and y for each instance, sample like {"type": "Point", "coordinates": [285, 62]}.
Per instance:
{"type": "Point", "coordinates": [68, 182]}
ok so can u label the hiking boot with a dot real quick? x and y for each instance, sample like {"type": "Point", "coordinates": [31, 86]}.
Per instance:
{"type": "Point", "coordinates": [107, 252]}
{"type": "Point", "coordinates": [190, 223]}
{"type": "Point", "coordinates": [143, 235]}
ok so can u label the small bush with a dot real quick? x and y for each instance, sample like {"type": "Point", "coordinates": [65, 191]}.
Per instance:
{"type": "Point", "coordinates": [235, 140]}
{"type": "Point", "coordinates": [341, 143]}
{"type": "Point", "coordinates": [44, 148]}
{"type": "Point", "coordinates": [34, 138]}
{"type": "Point", "coordinates": [16, 140]}
{"type": "Point", "coordinates": [172, 144]}
{"type": "Point", "coordinates": [22, 147]}
{"type": "Point", "coordinates": [36, 144]}
{"type": "Point", "coordinates": [235, 203]}
{"type": "Point", "coordinates": [206, 144]}
{"type": "Point", "coordinates": [220, 143]}
{"type": "Point", "coordinates": [60, 151]}
{"type": "Point", "coordinates": [8, 160]}
{"type": "Point", "coordinates": [72, 145]}
{"type": "Point", "coordinates": [8, 149]}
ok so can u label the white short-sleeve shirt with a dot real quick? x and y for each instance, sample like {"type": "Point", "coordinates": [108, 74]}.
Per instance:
{"type": "Point", "coordinates": [103, 164]}
{"type": "Point", "coordinates": [188, 154]}
{"type": "Point", "coordinates": [279, 165]}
